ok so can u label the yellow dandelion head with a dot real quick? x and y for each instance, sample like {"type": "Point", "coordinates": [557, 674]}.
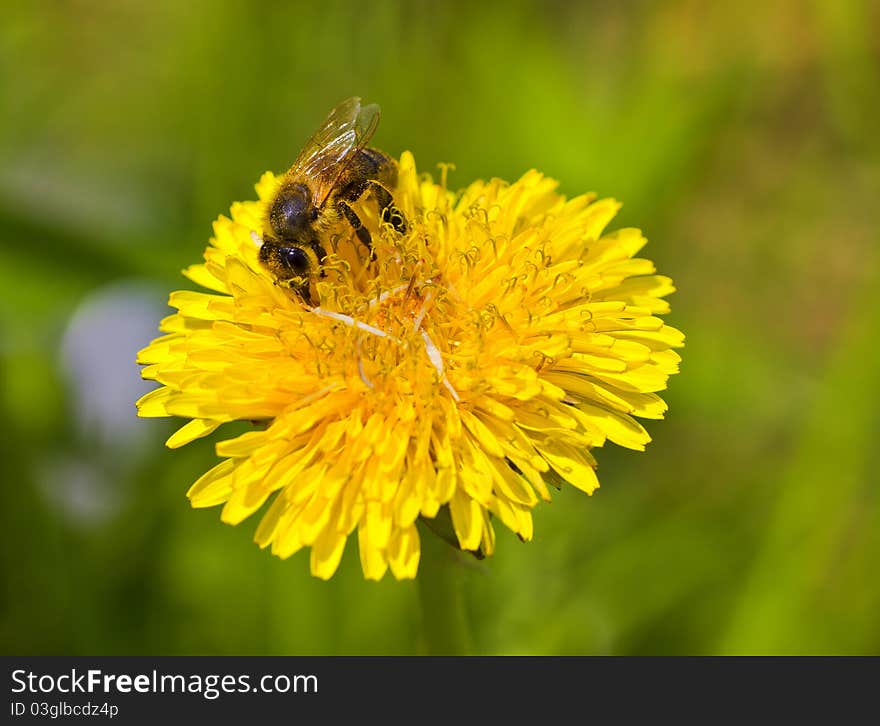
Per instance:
{"type": "Point", "coordinates": [457, 370]}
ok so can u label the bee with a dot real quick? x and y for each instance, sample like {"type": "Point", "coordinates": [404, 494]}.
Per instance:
{"type": "Point", "coordinates": [334, 170]}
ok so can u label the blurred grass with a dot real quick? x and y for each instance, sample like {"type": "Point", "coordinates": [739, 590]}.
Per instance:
{"type": "Point", "coordinates": [742, 142]}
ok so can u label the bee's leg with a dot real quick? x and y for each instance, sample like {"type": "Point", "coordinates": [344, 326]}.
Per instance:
{"type": "Point", "coordinates": [320, 253]}
{"type": "Point", "coordinates": [390, 213]}
{"type": "Point", "coordinates": [362, 232]}
{"type": "Point", "coordinates": [304, 292]}
{"type": "Point", "coordinates": [301, 290]}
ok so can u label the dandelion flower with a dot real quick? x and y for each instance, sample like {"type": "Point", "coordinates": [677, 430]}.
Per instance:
{"type": "Point", "coordinates": [468, 366]}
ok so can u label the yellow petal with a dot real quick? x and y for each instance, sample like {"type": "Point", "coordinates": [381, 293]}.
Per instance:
{"type": "Point", "coordinates": [623, 430]}
{"type": "Point", "coordinates": [373, 561]}
{"type": "Point", "coordinates": [572, 465]}
{"type": "Point", "coordinates": [403, 552]}
{"type": "Point", "coordinates": [327, 551]}
{"type": "Point", "coordinates": [154, 403]}
{"type": "Point", "coordinates": [467, 521]}
{"type": "Point", "coordinates": [482, 434]}
{"type": "Point", "coordinates": [200, 275]}
{"type": "Point", "coordinates": [214, 486]}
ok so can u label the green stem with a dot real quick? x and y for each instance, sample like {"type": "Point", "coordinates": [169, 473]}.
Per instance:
{"type": "Point", "coordinates": [441, 596]}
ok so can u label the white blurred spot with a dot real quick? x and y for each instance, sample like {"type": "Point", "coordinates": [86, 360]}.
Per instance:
{"type": "Point", "coordinates": [89, 481]}
{"type": "Point", "coordinates": [78, 488]}
{"type": "Point", "coordinates": [98, 353]}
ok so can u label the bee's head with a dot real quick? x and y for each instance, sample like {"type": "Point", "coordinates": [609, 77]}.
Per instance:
{"type": "Point", "coordinates": [290, 212]}
{"type": "Point", "coordinates": [291, 266]}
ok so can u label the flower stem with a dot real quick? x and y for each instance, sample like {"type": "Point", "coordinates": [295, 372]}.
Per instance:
{"type": "Point", "coordinates": [441, 595]}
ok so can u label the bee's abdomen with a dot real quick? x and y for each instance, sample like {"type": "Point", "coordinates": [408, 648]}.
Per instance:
{"type": "Point", "coordinates": [380, 166]}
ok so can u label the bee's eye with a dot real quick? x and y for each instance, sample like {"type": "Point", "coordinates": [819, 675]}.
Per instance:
{"type": "Point", "coordinates": [295, 260]}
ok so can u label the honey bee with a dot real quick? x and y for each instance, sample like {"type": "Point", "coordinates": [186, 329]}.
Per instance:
{"type": "Point", "coordinates": [334, 169]}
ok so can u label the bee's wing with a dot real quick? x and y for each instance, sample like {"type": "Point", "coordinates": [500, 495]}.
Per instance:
{"type": "Point", "coordinates": [346, 129]}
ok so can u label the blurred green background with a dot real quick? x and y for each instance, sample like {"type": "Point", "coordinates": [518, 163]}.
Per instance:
{"type": "Point", "coordinates": [742, 140]}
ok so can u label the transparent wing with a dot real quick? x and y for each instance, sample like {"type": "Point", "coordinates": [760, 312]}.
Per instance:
{"type": "Point", "coordinates": [347, 128]}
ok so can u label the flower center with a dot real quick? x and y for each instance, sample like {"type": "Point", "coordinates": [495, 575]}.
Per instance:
{"type": "Point", "coordinates": [384, 319]}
